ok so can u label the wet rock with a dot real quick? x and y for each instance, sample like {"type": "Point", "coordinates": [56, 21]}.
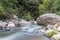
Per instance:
{"type": "Point", "coordinates": [56, 37]}
{"type": "Point", "coordinates": [50, 33]}
{"type": "Point", "coordinates": [15, 22]}
{"type": "Point", "coordinates": [48, 18]}
{"type": "Point", "coordinates": [2, 23]}
{"type": "Point", "coordinates": [33, 22]}
{"type": "Point", "coordinates": [10, 26]}
{"type": "Point", "coordinates": [39, 31]}
{"type": "Point", "coordinates": [56, 27]}
{"type": "Point", "coordinates": [49, 27]}
{"type": "Point", "coordinates": [23, 23]}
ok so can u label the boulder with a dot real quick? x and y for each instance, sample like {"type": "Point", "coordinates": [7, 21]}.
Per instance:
{"type": "Point", "coordinates": [56, 37]}
{"type": "Point", "coordinates": [49, 27]}
{"type": "Point", "coordinates": [48, 18]}
{"type": "Point", "coordinates": [15, 22]}
{"type": "Point", "coordinates": [50, 33]}
{"type": "Point", "coordinates": [2, 24]}
{"type": "Point", "coordinates": [10, 26]}
{"type": "Point", "coordinates": [56, 27]}
{"type": "Point", "coordinates": [23, 22]}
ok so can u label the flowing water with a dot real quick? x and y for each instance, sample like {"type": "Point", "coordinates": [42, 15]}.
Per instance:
{"type": "Point", "coordinates": [23, 33]}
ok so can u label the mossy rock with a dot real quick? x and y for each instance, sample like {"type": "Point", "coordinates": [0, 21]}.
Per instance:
{"type": "Point", "coordinates": [50, 33]}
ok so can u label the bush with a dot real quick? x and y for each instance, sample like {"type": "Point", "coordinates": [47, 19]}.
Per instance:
{"type": "Point", "coordinates": [27, 17]}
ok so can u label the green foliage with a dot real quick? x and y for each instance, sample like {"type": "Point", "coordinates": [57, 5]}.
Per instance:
{"type": "Point", "coordinates": [1, 10]}
{"type": "Point", "coordinates": [50, 34]}
{"type": "Point", "coordinates": [29, 9]}
{"type": "Point", "coordinates": [51, 6]}
{"type": "Point", "coordinates": [27, 17]}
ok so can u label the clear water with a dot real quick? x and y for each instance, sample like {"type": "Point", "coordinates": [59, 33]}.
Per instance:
{"type": "Point", "coordinates": [21, 33]}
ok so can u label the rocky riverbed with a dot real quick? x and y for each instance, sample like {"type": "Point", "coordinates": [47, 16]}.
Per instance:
{"type": "Point", "coordinates": [28, 31]}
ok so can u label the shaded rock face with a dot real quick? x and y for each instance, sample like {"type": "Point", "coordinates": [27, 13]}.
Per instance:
{"type": "Point", "coordinates": [48, 18]}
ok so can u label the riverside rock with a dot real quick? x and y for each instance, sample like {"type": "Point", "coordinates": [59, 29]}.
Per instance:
{"type": "Point", "coordinates": [50, 33]}
{"type": "Point", "coordinates": [2, 24]}
{"type": "Point", "coordinates": [48, 18]}
{"type": "Point", "coordinates": [56, 37]}
{"type": "Point", "coordinates": [10, 26]}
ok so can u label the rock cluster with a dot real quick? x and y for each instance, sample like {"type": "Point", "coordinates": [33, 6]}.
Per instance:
{"type": "Point", "coordinates": [53, 32]}
{"type": "Point", "coordinates": [7, 26]}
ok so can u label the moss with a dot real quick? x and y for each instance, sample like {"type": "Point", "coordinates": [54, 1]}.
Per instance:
{"type": "Point", "coordinates": [50, 34]}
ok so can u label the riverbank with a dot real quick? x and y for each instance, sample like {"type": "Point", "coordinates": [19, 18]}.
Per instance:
{"type": "Point", "coordinates": [6, 24]}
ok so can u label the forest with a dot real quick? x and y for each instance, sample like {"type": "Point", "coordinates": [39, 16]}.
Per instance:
{"type": "Point", "coordinates": [28, 9]}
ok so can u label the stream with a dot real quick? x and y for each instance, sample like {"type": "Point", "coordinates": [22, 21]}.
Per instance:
{"type": "Point", "coordinates": [23, 33]}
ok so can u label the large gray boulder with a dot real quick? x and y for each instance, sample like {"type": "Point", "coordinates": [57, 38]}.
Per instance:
{"type": "Point", "coordinates": [48, 18]}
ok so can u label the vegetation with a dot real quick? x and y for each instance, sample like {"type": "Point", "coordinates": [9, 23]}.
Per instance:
{"type": "Point", "coordinates": [50, 33]}
{"type": "Point", "coordinates": [28, 9]}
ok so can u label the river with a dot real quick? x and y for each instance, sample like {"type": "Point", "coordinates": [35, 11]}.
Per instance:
{"type": "Point", "coordinates": [23, 33]}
